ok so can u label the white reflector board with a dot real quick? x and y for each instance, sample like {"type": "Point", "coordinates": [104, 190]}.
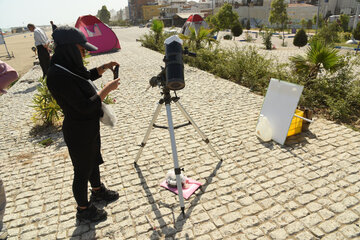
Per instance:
{"type": "Point", "coordinates": [279, 107]}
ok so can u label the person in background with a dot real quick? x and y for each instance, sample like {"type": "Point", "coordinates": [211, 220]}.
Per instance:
{"type": "Point", "coordinates": [70, 83]}
{"type": "Point", "coordinates": [42, 44]}
{"type": "Point", "coordinates": [3, 231]}
{"type": "Point", "coordinates": [7, 76]}
{"type": "Point", "coordinates": [53, 26]}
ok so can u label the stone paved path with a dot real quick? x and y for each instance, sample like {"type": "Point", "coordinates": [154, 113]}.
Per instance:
{"type": "Point", "coordinates": [307, 189]}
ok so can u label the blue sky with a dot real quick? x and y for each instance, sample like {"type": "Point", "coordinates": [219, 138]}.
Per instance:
{"type": "Point", "coordinates": [14, 13]}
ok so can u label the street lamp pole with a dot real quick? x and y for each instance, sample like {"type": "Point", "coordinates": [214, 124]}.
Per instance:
{"type": "Point", "coordinates": [317, 17]}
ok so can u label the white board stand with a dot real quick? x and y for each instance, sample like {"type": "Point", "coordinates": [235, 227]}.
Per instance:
{"type": "Point", "coordinates": [279, 107]}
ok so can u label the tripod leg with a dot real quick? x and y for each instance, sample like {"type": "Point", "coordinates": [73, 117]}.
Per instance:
{"type": "Point", "coordinates": [143, 143]}
{"type": "Point", "coordinates": [204, 138]}
{"type": "Point", "coordinates": [175, 157]}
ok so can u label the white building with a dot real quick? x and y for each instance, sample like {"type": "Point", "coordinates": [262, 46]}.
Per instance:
{"type": "Point", "coordinates": [113, 15]}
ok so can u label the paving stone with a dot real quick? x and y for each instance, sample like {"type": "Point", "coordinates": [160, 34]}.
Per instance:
{"type": "Point", "coordinates": [351, 231]}
{"type": "Point", "coordinates": [311, 220]}
{"type": "Point", "coordinates": [304, 236]}
{"type": "Point", "coordinates": [326, 214]}
{"type": "Point", "coordinates": [294, 227]}
{"type": "Point", "coordinates": [253, 233]}
{"type": "Point", "coordinates": [306, 198]}
{"type": "Point", "coordinates": [317, 232]}
{"type": "Point", "coordinates": [278, 234]}
{"type": "Point", "coordinates": [329, 226]}
{"type": "Point", "coordinates": [334, 236]}
{"type": "Point", "coordinates": [337, 207]}
{"type": "Point", "coordinates": [347, 217]}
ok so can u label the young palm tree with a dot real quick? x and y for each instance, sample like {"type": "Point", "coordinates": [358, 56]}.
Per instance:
{"type": "Point", "coordinates": [157, 27]}
{"type": "Point", "coordinates": [318, 57]}
{"type": "Point", "coordinates": [203, 35]}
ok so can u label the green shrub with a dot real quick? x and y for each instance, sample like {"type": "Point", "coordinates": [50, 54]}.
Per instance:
{"type": "Point", "coordinates": [266, 36]}
{"type": "Point", "coordinates": [301, 38]}
{"type": "Point", "coordinates": [248, 37]}
{"type": "Point", "coordinates": [236, 30]}
{"type": "Point", "coordinates": [328, 34]}
{"type": "Point", "coordinates": [346, 36]}
{"type": "Point", "coordinates": [344, 22]}
{"type": "Point", "coordinates": [47, 111]}
{"type": "Point", "coordinates": [227, 37]}
{"type": "Point", "coordinates": [331, 87]}
{"type": "Point", "coordinates": [246, 66]}
{"type": "Point", "coordinates": [356, 32]}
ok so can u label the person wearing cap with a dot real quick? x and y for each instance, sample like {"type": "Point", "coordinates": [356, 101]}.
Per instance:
{"type": "Point", "coordinates": [70, 83]}
{"type": "Point", "coordinates": [42, 45]}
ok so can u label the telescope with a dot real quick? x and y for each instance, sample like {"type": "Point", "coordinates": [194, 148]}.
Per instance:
{"type": "Point", "coordinates": [172, 76]}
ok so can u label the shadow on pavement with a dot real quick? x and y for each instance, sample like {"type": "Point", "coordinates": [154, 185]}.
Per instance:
{"type": "Point", "coordinates": [298, 140]}
{"type": "Point", "coordinates": [31, 89]}
{"type": "Point", "coordinates": [180, 220]}
{"type": "Point", "coordinates": [84, 230]}
{"type": "Point", "coordinates": [46, 135]}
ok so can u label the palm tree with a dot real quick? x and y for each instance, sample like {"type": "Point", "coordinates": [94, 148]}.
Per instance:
{"type": "Point", "coordinates": [157, 27]}
{"type": "Point", "coordinates": [318, 57]}
{"type": "Point", "coordinates": [197, 38]}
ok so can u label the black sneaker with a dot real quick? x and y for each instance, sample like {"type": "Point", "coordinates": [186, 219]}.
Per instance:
{"type": "Point", "coordinates": [91, 213]}
{"type": "Point", "coordinates": [104, 194]}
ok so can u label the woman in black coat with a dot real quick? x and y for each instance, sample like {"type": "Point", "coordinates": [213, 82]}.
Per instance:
{"type": "Point", "coordinates": [71, 85]}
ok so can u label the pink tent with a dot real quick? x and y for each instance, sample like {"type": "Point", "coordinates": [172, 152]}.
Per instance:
{"type": "Point", "coordinates": [97, 33]}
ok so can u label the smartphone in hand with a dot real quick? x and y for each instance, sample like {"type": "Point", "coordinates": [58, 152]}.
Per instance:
{"type": "Point", "coordinates": [116, 72]}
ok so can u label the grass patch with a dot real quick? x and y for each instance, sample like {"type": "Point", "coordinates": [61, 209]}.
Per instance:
{"type": "Point", "coordinates": [46, 142]}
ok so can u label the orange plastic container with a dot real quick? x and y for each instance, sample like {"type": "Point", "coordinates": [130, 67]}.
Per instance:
{"type": "Point", "coordinates": [296, 123]}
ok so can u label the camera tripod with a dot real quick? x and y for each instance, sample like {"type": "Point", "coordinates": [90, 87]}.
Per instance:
{"type": "Point", "coordinates": [167, 99]}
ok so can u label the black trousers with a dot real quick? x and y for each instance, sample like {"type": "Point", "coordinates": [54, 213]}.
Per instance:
{"type": "Point", "coordinates": [80, 183]}
{"type": "Point", "coordinates": [44, 59]}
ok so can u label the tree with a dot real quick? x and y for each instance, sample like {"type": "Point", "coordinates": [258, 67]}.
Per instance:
{"type": "Point", "coordinates": [356, 32]}
{"type": "Point", "coordinates": [301, 38]}
{"type": "Point", "coordinates": [266, 36]}
{"type": "Point", "coordinates": [157, 27]}
{"type": "Point", "coordinates": [328, 34]}
{"type": "Point", "coordinates": [278, 15]}
{"type": "Point", "coordinates": [196, 39]}
{"type": "Point", "coordinates": [321, 20]}
{"type": "Point", "coordinates": [344, 22]}
{"type": "Point", "coordinates": [309, 24]}
{"type": "Point", "coordinates": [236, 30]}
{"type": "Point", "coordinates": [248, 26]}
{"type": "Point", "coordinates": [318, 57]}
{"type": "Point", "coordinates": [303, 23]}
{"type": "Point", "coordinates": [356, 35]}
{"type": "Point", "coordinates": [225, 18]}
{"type": "Point", "coordinates": [104, 15]}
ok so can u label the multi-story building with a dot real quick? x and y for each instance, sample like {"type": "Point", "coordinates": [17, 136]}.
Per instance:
{"type": "Point", "coordinates": [135, 9]}
{"type": "Point", "coordinates": [258, 11]}
{"type": "Point", "coordinates": [126, 13]}
{"type": "Point", "coordinates": [151, 11]}
{"type": "Point", "coordinates": [340, 6]}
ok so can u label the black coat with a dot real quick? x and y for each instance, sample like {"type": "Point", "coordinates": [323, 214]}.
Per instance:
{"type": "Point", "coordinates": [81, 106]}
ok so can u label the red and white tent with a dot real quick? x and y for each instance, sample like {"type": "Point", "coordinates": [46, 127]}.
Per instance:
{"type": "Point", "coordinates": [194, 21]}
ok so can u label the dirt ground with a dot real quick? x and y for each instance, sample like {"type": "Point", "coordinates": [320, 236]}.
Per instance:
{"type": "Point", "coordinates": [20, 46]}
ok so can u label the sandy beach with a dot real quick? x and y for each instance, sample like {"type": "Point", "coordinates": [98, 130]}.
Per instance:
{"type": "Point", "coordinates": [20, 46]}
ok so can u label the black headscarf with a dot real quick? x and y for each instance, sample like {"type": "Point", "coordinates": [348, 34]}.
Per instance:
{"type": "Point", "coordinates": [69, 56]}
